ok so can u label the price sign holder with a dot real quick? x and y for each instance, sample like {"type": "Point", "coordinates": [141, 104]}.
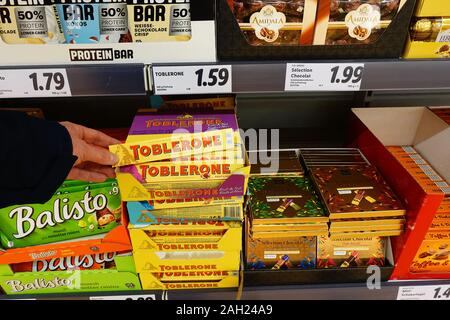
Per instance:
{"type": "Point", "coordinates": [435, 292]}
{"type": "Point", "coordinates": [31, 83]}
{"type": "Point", "coordinates": [192, 79]}
{"type": "Point", "coordinates": [324, 76]}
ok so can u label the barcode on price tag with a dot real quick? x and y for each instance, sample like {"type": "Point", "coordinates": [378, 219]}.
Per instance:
{"type": "Point", "coordinates": [192, 79]}
{"type": "Point", "coordinates": [324, 76]}
{"type": "Point", "coordinates": [30, 83]}
{"type": "Point", "coordinates": [424, 293]}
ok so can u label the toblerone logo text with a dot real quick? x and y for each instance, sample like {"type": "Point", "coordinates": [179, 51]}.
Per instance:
{"type": "Point", "coordinates": [191, 246]}
{"type": "Point", "coordinates": [204, 170]}
{"type": "Point", "coordinates": [179, 274]}
{"type": "Point", "coordinates": [182, 123]}
{"type": "Point", "coordinates": [176, 146]}
{"type": "Point", "coordinates": [62, 212]}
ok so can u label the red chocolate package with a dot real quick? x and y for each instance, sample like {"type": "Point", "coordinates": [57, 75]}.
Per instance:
{"type": "Point", "coordinates": [88, 262]}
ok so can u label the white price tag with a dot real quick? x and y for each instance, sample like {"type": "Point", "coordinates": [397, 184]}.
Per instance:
{"type": "Point", "coordinates": [28, 83]}
{"type": "Point", "coordinates": [424, 293]}
{"type": "Point", "coordinates": [324, 76]}
{"type": "Point", "coordinates": [192, 80]}
{"type": "Point", "coordinates": [147, 297]}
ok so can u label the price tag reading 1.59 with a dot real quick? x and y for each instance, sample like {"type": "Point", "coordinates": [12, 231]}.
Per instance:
{"type": "Point", "coordinates": [24, 83]}
{"type": "Point", "coordinates": [192, 79]}
{"type": "Point", "coordinates": [324, 76]}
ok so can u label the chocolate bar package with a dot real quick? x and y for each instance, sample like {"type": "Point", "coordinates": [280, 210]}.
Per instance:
{"type": "Point", "coordinates": [275, 200]}
{"type": "Point", "coordinates": [434, 253]}
{"type": "Point", "coordinates": [274, 163]}
{"type": "Point", "coordinates": [431, 29]}
{"type": "Point", "coordinates": [332, 157]}
{"type": "Point", "coordinates": [348, 251]}
{"type": "Point", "coordinates": [272, 22]}
{"type": "Point", "coordinates": [87, 211]}
{"type": "Point", "coordinates": [279, 30]}
{"type": "Point", "coordinates": [343, 22]}
{"type": "Point", "coordinates": [281, 253]}
{"type": "Point", "coordinates": [356, 192]}
{"type": "Point", "coordinates": [88, 262]}
{"type": "Point", "coordinates": [443, 113]}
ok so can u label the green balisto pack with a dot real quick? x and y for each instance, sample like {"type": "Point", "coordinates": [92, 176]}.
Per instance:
{"type": "Point", "coordinates": [86, 211]}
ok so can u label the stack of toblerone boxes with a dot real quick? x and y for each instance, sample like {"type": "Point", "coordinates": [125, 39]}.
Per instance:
{"type": "Point", "coordinates": [362, 208]}
{"type": "Point", "coordinates": [183, 178]}
{"type": "Point", "coordinates": [285, 215]}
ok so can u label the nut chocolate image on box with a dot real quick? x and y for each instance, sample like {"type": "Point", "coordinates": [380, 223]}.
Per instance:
{"type": "Point", "coordinates": [284, 200]}
{"type": "Point", "coordinates": [273, 22]}
{"type": "Point", "coordinates": [343, 22]}
{"type": "Point", "coordinates": [352, 192]}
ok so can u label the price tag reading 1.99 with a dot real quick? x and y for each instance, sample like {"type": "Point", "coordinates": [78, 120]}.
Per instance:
{"type": "Point", "coordinates": [324, 76]}
{"type": "Point", "coordinates": [192, 79]}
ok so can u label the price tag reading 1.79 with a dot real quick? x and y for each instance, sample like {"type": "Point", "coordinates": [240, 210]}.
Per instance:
{"type": "Point", "coordinates": [25, 83]}
{"type": "Point", "coordinates": [324, 76]}
{"type": "Point", "coordinates": [192, 79]}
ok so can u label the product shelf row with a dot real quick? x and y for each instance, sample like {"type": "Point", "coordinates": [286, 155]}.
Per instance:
{"type": "Point", "coordinates": [247, 77]}
{"type": "Point", "coordinates": [390, 290]}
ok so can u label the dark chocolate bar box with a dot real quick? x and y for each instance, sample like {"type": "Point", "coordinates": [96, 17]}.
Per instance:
{"type": "Point", "coordinates": [356, 192]}
{"type": "Point", "coordinates": [275, 200]}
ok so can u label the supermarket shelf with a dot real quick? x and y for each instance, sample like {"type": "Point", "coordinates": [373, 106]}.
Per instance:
{"type": "Point", "coordinates": [100, 80]}
{"type": "Point", "coordinates": [357, 291]}
{"type": "Point", "coordinates": [261, 77]}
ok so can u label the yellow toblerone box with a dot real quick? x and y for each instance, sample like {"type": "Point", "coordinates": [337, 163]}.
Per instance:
{"type": "Point", "coordinates": [189, 280]}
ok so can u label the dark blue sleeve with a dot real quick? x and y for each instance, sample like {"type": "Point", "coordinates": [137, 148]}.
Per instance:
{"type": "Point", "coordinates": [35, 158]}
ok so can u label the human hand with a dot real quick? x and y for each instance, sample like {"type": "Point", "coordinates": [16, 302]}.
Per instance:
{"type": "Point", "coordinates": [94, 163]}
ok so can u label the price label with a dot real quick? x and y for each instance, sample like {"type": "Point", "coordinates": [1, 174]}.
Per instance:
{"type": "Point", "coordinates": [324, 76]}
{"type": "Point", "coordinates": [192, 80]}
{"type": "Point", "coordinates": [27, 83]}
{"type": "Point", "coordinates": [424, 293]}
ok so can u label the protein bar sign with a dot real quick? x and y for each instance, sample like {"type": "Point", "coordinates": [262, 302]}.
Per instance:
{"type": "Point", "coordinates": [103, 54]}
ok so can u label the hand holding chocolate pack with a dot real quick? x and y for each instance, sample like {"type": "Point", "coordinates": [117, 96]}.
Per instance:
{"type": "Point", "coordinates": [72, 213]}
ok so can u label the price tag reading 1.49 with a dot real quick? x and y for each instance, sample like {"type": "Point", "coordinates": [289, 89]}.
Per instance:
{"type": "Point", "coordinates": [424, 293]}
{"type": "Point", "coordinates": [192, 79]}
{"type": "Point", "coordinates": [324, 77]}
{"type": "Point", "coordinates": [23, 83]}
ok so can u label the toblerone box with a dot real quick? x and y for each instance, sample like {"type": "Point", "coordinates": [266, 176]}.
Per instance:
{"type": "Point", "coordinates": [154, 261]}
{"type": "Point", "coordinates": [173, 146]}
{"type": "Point", "coordinates": [194, 202]}
{"type": "Point", "coordinates": [189, 280]}
{"type": "Point", "coordinates": [143, 213]}
{"type": "Point", "coordinates": [172, 243]}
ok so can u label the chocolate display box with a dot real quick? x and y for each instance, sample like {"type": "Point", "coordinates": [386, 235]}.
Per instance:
{"type": "Point", "coordinates": [320, 29]}
{"type": "Point", "coordinates": [375, 131]}
{"type": "Point", "coordinates": [81, 31]}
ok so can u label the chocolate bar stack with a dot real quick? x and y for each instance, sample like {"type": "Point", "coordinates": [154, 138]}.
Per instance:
{"type": "Point", "coordinates": [284, 214]}
{"type": "Point", "coordinates": [184, 177]}
{"type": "Point", "coordinates": [362, 208]}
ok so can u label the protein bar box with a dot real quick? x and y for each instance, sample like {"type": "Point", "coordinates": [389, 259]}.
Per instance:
{"type": "Point", "coordinates": [319, 29]}
{"type": "Point", "coordinates": [122, 31]}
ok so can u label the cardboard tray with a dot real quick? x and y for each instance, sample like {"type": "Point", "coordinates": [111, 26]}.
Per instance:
{"type": "Point", "coordinates": [316, 276]}
{"type": "Point", "coordinates": [371, 130]}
